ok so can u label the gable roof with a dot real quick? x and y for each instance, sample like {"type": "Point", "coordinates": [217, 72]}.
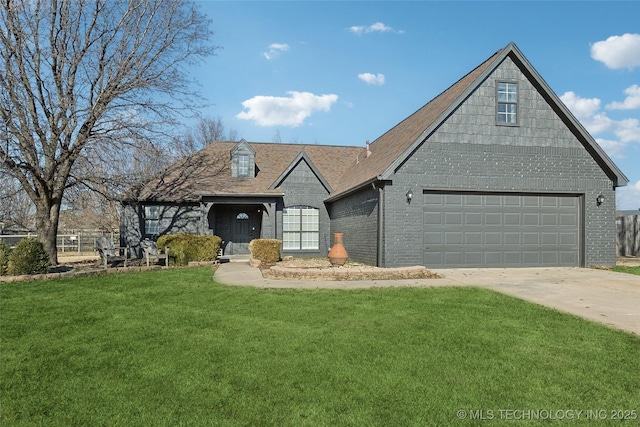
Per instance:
{"type": "Point", "coordinates": [393, 148]}
{"type": "Point", "coordinates": [302, 156]}
{"type": "Point", "coordinates": [345, 169]}
{"type": "Point", "coordinates": [208, 172]}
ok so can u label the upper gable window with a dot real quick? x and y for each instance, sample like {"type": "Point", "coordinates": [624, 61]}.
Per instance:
{"type": "Point", "coordinates": [243, 165]}
{"type": "Point", "coordinates": [243, 160]}
{"type": "Point", "coordinates": [507, 97]}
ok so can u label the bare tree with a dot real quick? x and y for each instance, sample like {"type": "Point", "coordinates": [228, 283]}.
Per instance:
{"type": "Point", "coordinates": [205, 132]}
{"type": "Point", "coordinates": [105, 176]}
{"type": "Point", "coordinates": [74, 74]}
{"type": "Point", "coordinates": [16, 210]}
{"type": "Point", "coordinates": [108, 175]}
{"type": "Point", "coordinates": [277, 138]}
{"type": "Point", "coordinates": [209, 131]}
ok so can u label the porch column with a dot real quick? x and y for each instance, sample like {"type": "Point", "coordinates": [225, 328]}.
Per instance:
{"type": "Point", "coordinates": [270, 208]}
{"type": "Point", "coordinates": [204, 219]}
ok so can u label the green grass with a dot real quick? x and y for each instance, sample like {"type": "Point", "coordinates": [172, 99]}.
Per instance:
{"type": "Point", "coordinates": [625, 269]}
{"type": "Point", "coordinates": [168, 348]}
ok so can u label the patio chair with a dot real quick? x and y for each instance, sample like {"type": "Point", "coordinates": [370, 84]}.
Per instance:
{"type": "Point", "coordinates": [150, 252]}
{"type": "Point", "coordinates": [110, 254]}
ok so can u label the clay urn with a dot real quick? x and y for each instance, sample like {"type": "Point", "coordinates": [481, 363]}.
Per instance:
{"type": "Point", "coordinates": [338, 254]}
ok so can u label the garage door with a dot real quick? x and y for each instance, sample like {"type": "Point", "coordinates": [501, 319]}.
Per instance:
{"type": "Point", "coordinates": [500, 230]}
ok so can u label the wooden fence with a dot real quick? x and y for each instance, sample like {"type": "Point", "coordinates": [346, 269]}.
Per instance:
{"type": "Point", "coordinates": [628, 241]}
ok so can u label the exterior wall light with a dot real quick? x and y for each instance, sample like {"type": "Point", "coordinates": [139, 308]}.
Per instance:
{"type": "Point", "coordinates": [409, 196]}
{"type": "Point", "coordinates": [600, 200]}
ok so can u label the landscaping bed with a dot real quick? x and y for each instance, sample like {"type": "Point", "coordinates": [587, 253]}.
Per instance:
{"type": "Point", "coordinates": [321, 269]}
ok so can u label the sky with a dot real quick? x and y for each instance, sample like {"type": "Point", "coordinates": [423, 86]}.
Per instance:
{"type": "Point", "coordinates": [342, 73]}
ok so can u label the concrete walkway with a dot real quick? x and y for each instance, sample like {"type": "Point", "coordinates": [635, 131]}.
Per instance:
{"type": "Point", "coordinates": [598, 295]}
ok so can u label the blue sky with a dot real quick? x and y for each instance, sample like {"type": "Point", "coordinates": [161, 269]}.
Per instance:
{"type": "Point", "coordinates": [341, 73]}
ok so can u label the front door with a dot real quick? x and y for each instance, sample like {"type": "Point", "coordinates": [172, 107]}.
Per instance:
{"type": "Point", "coordinates": [241, 234]}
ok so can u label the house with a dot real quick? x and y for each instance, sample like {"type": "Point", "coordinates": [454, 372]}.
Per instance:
{"type": "Point", "coordinates": [493, 172]}
{"type": "Point", "coordinates": [241, 191]}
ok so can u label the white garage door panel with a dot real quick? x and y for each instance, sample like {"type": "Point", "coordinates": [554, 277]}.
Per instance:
{"type": "Point", "coordinates": [501, 230]}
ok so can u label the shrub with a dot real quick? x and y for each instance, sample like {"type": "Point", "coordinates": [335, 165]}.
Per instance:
{"type": "Point", "coordinates": [5, 250]}
{"type": "Point", "coordinates": [28, 257]}
{"type": "Point", "coordinates": [184, 248]}
{"type": "Point", "coordinates": [265, 250]}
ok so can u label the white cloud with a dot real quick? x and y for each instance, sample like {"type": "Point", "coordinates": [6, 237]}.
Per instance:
{"type": "Point", "coordinates": [580, 107]}
{"type": "Point", "coordinates": [275, 49]}
{"type": "Point", "coordinates": [372, 79]}
{"type": "Point", "coordinates": [628, 130]}
{"type": "Point", "coordinates": [612, 148]}
{"type": "Point", "coordinates": [618, 51]}
{"type": "Point", "coordinates": [285, 111]}
{"type": "Point", "coordinates": [587, 111]}
{"type": "Point", "coordinates": [631, 102]}
{"type": "Point", "coordinates": [378, 27]}
{"type": "Point", "coordinates": [628, 197]}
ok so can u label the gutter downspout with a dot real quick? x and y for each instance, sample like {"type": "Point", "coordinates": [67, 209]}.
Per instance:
{"type": "Point", "coordinates": [380, 255]}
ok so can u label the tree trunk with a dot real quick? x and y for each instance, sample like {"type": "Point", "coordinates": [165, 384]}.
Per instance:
{"type": "Point", "coordinates": [47, 215]}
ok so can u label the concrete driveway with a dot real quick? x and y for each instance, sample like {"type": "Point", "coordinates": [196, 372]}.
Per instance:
{"type": "Point", "coordinates": [599, 295]}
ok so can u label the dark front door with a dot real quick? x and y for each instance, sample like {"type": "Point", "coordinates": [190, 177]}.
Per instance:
{"type": "Point", "coordinates": [241, 233]}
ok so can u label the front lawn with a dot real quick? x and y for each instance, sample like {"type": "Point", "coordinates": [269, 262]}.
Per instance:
{"type": "Point", "coordinates": [627, 269]}
{"type": "Point", "coordinates": [172, 347]}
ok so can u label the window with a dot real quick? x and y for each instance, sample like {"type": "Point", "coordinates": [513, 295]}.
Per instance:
{"type": "Point", "coordinates": [507, 103]}
{"type": "Point", "coordinates": [300, 228]}
{"type": "Point", "coordinates": [243, 165]}
{"type": "Point", "coordinates": [151, 220]}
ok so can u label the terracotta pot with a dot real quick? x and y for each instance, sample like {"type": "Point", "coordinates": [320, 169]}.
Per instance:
{"type": "Point", "coordinates": [338, 254]}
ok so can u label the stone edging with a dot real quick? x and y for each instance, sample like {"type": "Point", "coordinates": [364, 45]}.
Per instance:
{"type": "Point", "coordinates": [351, 273]}
{"type": "Point", "coordinates": [68, 274]}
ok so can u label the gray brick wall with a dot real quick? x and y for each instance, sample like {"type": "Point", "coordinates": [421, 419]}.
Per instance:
{"type": "Point", "coordinates": [173, 219]}
{"type": "Point", "coordinates": [470, 152]}
{"type": "Point", "coordinates": [356, 217]}
{"type": "Point", "coordinates": [302, 187]}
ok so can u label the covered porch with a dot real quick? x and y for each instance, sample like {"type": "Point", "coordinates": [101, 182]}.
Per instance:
{"type": "Point", "coordinates": [237, 221]}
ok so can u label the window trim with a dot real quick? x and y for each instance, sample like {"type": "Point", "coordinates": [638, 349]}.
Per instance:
{"type": "Point", "coordinates": [243, 165]}
{"type": "Point", "coordinates": [301, 232]}
{"type": "Point", "coordinates": [507, 102]}
{"type": "Point", "coordinates": [151, 220]}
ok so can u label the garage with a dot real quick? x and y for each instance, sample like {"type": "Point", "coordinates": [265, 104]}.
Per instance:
{"type": "Point", "coordinates": [501, 229]}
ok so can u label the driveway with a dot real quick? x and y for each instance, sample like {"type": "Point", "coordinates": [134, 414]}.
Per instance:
{"type": "Point", "coordinates": [599, 295]}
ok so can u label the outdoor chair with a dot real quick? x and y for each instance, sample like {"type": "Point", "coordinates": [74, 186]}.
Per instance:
{"type": "Point", "coordinates": [110, 254]}
{"type": "Point", "coordinates": [150, 252]}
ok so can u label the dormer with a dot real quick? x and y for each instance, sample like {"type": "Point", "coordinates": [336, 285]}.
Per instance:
{"type": "Point", "coordinates": [243, 160]}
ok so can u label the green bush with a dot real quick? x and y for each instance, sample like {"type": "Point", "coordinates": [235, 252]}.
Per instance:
{"type": "Point", "coordinates": [5, 250]}
{"type": "Point", "coordinates": [184, 248]}
{"type": "Point", "coordinates": [28, 257]}
{"type": "Point", "coordinates": [265, 250]}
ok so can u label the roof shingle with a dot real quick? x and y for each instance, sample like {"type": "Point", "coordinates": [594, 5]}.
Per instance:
{"type": "Point", "coordinates": [208, 172]}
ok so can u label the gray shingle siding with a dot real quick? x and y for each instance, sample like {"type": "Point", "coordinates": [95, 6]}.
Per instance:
{"type": "Point", "coordinates": [470, 152]}
{"type": "Point", "coordinates": [356, 217]}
